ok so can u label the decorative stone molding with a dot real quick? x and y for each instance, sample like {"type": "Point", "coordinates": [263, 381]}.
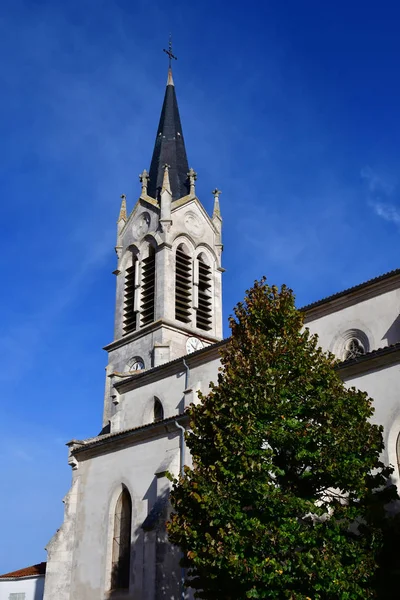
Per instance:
{"type": "Point", "coordinates": [344, 342]}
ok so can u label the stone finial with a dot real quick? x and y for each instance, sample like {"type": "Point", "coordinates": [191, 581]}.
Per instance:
{"type": "Point", "coordinates": [122, 210]}
{"type": "Point", "coordinates": [192, 178]}
{"type": "Point", "coordinates": [144, 180]}
{"type": "Point", "coordinates": [166, 183]}
{"type": "Point", "coordinates": [216, 193]}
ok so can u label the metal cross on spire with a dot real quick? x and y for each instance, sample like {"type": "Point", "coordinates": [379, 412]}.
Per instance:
{"type": "Point", "coordinates": [169, 51]}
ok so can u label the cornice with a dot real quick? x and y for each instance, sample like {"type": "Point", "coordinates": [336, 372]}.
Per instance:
{"type": "Point", "coordinates": [153, 327]}
{"type": "Point", "coordinates": [172, 367]}
{"type": "Point", "coordinates": [359, 293]}
{"type": "Point", "coordinates": [373, 361]}
{"type": "Point", "coordinates": [122, 439]}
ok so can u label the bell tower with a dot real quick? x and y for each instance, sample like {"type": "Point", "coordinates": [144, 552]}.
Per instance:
{"type": "Point", "coordinates": [169, 294]}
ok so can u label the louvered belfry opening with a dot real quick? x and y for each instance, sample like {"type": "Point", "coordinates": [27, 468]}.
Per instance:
{"type": "Point", "coordinates": [129, 298]}
{"type": "Point", "coordinates": [183, 285]}
{"type": "Point", "coordinates": [148, 287]}
{"type": "Point", "coordinates": [204, 308]}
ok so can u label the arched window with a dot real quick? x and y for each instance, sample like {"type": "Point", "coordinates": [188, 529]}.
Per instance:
{"type": "Point", "coordinates": [158, 410]}
{"type": "Point", "coordinates": [351, 343]}
{"type": "Point", "coordinates": [121, 551]}
{"type": "Point", "coordinates": [353, 348]}
{"type": "Point", "coordinates": [130, 309]}
{"type": "Point", "coordinates": [204, 304]}
{"type": "Point", "coordinates": [183, 284]}
{"type": "Point", "coordinates": [148, 287]}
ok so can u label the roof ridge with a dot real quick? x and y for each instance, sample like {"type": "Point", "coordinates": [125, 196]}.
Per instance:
{"type": "Point", "coordinates": [38, 569]}
{"type": "Point", "coordinates": [354, 288]}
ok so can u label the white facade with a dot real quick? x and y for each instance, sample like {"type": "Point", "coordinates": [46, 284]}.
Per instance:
{"type": "Point", "coordinates": [22, 588]}
{"type": "Point", "coordinates": [138, 452]}
{"type": "Point", "coordinates": [168, 303]}
{"type": "Point", "coordinates": [144, 410]}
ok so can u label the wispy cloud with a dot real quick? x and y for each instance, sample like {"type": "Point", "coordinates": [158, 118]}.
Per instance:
{"type": "Point", "coordinates": [382, 195]}
{"type": "Point", "coordinates": [376, 183]}
{"type": "Point", "coordinates": [386, 211]}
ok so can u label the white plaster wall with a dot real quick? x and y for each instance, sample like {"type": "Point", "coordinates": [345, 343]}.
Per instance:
{"type": "Point", "coordinates": [377, 317]}
{"type": "Point", "coordinates": [383, 386]}
{"type": "Point", "coordinates": [100, 484]}
{"type": "Point", "coordinates": [135, 407]}
{"type": "Point", "coordinates": [60, 549]}
{"type": "Point", "coordinates": [32, 587]}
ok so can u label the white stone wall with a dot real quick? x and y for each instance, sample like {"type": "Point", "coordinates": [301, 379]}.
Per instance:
{"type": "Point", "coordinates": [383, 385]}
{"type": "Point", "coordinates": [377, 317]}
{"type": "Point", "coordinates": [82, 546]}
{"type": "Point", "coordinates": [101, 478]}
{"type": "Point", "coordinates": [32, 587]}
{"type": "Point", "coordinates": [135, 407]}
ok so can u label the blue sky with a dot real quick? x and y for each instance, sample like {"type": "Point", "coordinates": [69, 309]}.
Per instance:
{"type": "Point", "coordinates": [290, 108]}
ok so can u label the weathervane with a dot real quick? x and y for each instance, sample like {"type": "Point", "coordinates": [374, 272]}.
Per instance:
{"type": "Point", "coordinates": [169, 51]}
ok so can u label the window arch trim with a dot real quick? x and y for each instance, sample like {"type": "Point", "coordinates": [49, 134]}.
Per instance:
{"type": "Point", "coordinates": [121, 542]}
{"type": "Point", "coordinates": [341, 342]}
{"type": "Point", "coordinates": [113, 497]}
{"type": "Point", "coordinates": [354, 343]}
{"type": "Point", "coordinates": [158, 410]}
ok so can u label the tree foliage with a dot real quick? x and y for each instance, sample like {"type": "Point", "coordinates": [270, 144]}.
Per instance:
{"type": "Point", "coordinates": [282, 499]}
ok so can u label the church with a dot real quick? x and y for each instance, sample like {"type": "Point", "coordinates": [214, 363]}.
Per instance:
{"type": "Point", "coordinates": [112, 543]}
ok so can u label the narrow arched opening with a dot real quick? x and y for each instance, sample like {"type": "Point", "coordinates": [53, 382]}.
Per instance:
{"type": "Point", "coordinates": [158, 410]}
{"type": "Point", "coordinates": [130, 309]}
{"type": "Point", "coordinates": [121, 550]}
{"type": "Point", "coordinates": [204, 304]}
{"type": "Point", "coordinates": [183, 284]}
{"type": "Point", "coordinates": [148, 287]}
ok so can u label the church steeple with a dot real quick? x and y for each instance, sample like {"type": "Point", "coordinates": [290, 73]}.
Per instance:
{"type": "Point", "coordinates": [169, 288]}
{"type": "Point", "coordinates": [169, 147]}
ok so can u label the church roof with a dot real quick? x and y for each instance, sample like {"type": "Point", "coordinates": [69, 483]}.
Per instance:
{"type": "Point", "coordinates": [169, 148]}
{"type": "Point", "coordinates": [355, 288]}
{"type": "Point", "coordinates": [39, 569]}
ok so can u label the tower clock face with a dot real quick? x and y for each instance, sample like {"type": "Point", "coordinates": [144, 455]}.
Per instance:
{"type": "Point", "coordinates": [193, 344]}
{"type": "Point", "coordinates": [137, 365]}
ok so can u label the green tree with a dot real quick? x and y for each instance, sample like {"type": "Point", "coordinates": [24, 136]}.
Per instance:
{"type": "Point", "coordinates": [282, 500]}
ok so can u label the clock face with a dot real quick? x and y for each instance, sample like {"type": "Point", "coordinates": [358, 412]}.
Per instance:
{"type": "Point", "coordinates": [193, 344]}
{"type": "Point", "coordinates": [138, 365]}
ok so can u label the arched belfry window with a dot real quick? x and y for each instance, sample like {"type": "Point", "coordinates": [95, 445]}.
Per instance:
{"type": "Point", "coordinates": [148, 287]}
{"type": "Point", "coordinates": [158, 410]}
{"type": "Point", "coordinates": [129, 318]}
{"type": "Point", "coordinates": [121, 550]}
{"type": "Point", "coordinates": [204, 303]}
{"type": "Point", "coordinates": [183, 285]}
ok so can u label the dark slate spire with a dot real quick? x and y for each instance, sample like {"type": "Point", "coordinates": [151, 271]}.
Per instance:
{"type": "Point", "coordinates": [169, 148]}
